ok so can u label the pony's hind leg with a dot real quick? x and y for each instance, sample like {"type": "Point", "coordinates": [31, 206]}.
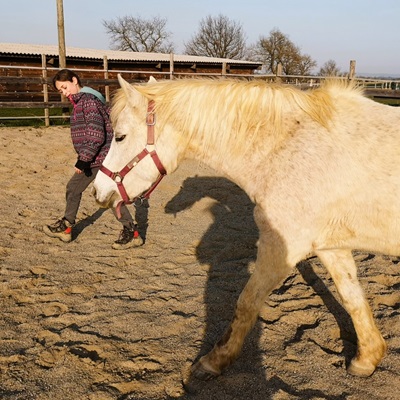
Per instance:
{"type": "Point", "coordinates": [270, 269]}
{"type": "Point", "coordinates": [371, 345]}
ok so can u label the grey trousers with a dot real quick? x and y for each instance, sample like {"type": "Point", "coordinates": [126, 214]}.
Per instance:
{"type": "Point", "coordinates": [76, 186]}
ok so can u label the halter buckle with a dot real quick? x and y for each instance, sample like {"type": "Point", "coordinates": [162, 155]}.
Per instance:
{"type": "Point", "coordinates": [150, 118]}
{"type": "Point", "coordinates": [138, 201]}
{"type": "Point", "coordinates": [117, 177]}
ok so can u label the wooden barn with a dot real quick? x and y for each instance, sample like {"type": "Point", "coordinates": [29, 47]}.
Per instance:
{"type": "Point", "coordinates": [26, 69]}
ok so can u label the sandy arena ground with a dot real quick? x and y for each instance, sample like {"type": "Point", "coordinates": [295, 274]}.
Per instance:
{"type": "Point", "coordinates": [81, 321]}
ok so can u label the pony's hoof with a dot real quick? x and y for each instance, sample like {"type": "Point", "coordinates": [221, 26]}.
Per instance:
{"type": "Point", "coordinates": [357, 369]}
{"type": "Point", "coordinates": [203, 372]}
{"type": "Point", "coordinates": [193, 377]}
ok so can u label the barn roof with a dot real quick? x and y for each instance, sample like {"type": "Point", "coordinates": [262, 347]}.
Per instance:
{"type": "Point", "coordinates": [76, 52]}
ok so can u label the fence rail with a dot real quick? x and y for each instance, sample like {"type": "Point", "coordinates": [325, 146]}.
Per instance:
{"type": "Point", "coordinates": [41, 98]}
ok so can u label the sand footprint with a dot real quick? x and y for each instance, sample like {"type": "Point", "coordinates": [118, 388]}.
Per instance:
{"type": "Point", "coordinates": [54, 309]}
{"type": "Point", "coordinates": [39, 270]}
{"type": "Point", "coordinates": [49, 358]}
{"type": "Point", "coordinates": [389, 300]}
{"type": "Point", "coordinates": [47, 338]}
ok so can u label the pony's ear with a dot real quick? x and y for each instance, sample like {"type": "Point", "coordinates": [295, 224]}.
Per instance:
{"type": "Point", "coordinates": [126, 87]}
{"type": "Point", "coordinates": [152, 79]}
{"type": "Point", "coordinates": [130, 92]}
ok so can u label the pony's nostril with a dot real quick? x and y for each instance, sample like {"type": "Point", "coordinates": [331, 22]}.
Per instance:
{"type": "Point", "coordinates": [93, 191]}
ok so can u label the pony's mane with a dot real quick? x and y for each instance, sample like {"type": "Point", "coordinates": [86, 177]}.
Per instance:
{"type": "Point", "coordinates": [223, 110]}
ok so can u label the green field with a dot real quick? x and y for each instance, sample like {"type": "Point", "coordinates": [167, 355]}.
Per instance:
{"type": "Point", "coordinates": [390, 102]}
{"type": "Point", "coordinates": [27, 114]}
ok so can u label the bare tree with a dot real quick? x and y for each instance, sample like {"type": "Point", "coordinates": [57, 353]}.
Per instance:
{"type": "Point", "coordinates": [137, 34]}
{"type": "Point", "coordinates": [278, 49]}
{"type": "Point", "coordinates": [330, 69]}
{"type": "Point", "coordinates": [218, 37]}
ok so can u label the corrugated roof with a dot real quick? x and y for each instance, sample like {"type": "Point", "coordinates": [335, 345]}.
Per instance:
{"type": "Point", "coordinates": [76, 52]}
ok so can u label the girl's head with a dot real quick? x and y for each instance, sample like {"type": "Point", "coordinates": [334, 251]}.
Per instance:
{"type": "Point", "coordinates": [67, 82]}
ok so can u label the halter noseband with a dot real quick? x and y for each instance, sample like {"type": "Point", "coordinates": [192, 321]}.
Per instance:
{"type": "Point", "coordinates": [118, 177]}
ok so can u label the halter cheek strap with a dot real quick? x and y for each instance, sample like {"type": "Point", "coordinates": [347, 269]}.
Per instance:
{"type": "Point", "coordinates": [118, 177]}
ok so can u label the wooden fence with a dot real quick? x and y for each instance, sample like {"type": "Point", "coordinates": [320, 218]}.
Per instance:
{"type": "Point", "coordinates": [39, 94]}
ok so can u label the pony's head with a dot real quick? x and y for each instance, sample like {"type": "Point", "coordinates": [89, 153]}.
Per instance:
{"type": "Point", "coordinates": [137, 154]}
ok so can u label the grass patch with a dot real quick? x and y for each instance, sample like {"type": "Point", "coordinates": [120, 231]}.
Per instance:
{"type": "Point", "coordinates": [388, 102]}
{"type": "Point", "coordinates": [25, 113]}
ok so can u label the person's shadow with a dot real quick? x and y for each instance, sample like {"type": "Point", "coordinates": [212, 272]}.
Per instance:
{"type": "Point", "coordinates": [229, 246]}
{"type": "Point", "coordinates": [85, 222]}
{"type": "Point", "coordinates": [141, 213]}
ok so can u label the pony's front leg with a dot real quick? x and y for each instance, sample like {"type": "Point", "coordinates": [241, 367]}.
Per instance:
{"type": "Point", "coordinates": [371, 345]}
{"type": "Point", "coordinates": [270, 269]}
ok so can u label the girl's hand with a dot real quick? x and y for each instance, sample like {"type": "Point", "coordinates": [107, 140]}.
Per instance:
{"type": "Point", "coordinates": [78, 171]}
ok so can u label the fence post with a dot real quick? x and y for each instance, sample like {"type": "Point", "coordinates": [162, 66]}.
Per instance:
{"type": "Point", "coordinates": [106, 87]}
{"type": "Point", "coordinates": [352, 72]}
{"type": "Point", "coordinates": [278, 73]}
{"type": "Point", "coordinates": [224, 69]}
{"type": "Point", "coordinates": [171, 66]}
{"type": "Point", "coordinates": [45, 90]}
{"type": "Point", "coordinates": [62, 52]}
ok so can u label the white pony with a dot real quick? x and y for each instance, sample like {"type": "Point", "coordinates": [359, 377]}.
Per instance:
{"type": "Point", "coordinates": [322, 167]}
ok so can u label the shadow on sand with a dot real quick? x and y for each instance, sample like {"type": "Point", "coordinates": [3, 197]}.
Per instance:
{"type": "Point", "coordinates": [141, 212]}
{"type": "Point", "coordinates": [228, 247]}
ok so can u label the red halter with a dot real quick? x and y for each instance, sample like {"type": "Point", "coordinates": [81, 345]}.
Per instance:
{"type": "Point", "coordinates": [118, 177]}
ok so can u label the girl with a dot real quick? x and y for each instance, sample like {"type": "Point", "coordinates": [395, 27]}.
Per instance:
{"type": "Point", "coordinates": [91, 134]}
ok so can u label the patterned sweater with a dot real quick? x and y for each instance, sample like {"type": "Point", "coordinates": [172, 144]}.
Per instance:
{"type": "Point", "coordinates": [91, 129]}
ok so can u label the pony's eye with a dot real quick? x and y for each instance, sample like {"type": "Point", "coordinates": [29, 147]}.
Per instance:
{"type": "Point", "coordinates": [120, 138]}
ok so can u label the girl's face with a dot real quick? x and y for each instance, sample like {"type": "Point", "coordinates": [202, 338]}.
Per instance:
{"type": "Point", "coordinates": [67, 88]}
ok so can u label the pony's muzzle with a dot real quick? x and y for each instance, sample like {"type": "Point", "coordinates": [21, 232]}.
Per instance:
{"type": "Point", "coordinates": [107, 202]}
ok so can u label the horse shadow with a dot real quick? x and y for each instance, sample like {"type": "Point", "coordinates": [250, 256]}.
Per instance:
{"type": "Point", "coordinates": [229, 246]}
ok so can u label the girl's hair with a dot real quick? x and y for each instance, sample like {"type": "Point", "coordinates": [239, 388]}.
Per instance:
{"type": "Point", "coordinates": [65, 75]}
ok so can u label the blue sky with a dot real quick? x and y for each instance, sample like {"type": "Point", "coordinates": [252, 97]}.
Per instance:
{"type": "Point", "coordinates": [367, 31]}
